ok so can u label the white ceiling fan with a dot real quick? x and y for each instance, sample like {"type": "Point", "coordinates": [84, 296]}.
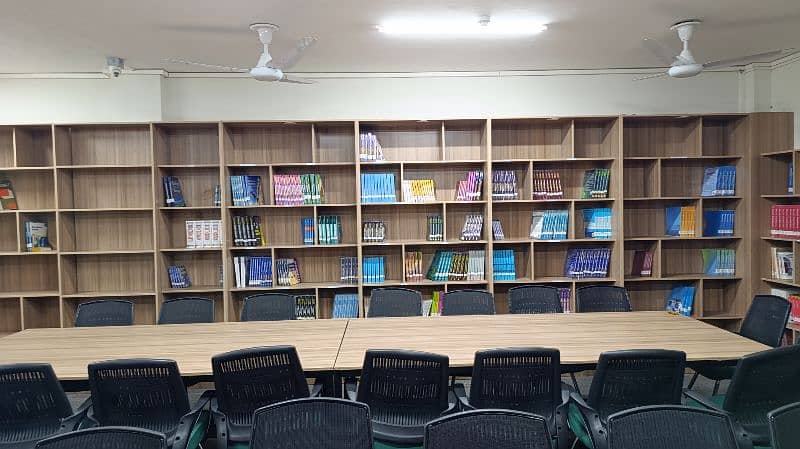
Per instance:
{"type": "Point", "coordinates": [264, 70]}
{"type": "Point", "coordinates": [685, 66]}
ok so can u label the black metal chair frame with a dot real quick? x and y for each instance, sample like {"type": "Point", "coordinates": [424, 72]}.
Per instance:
{"type": "Point", "coordinates": [775, 436]}
{"type": "Point", "coordinates": [530, 418]}
{"type": "Point", "coordinates": [247, 303]}
{"type": "Point", "coordinates": [551, 305]}
{"type": "Point", "coordinates": [83, 306]}
{"type": "Point", "coordinates": [177, 301]}
{"type": "Point", "coordinates": [411, 295]}
{"type": "Point", "coordinates": [482, 293]}
{"type": "Point", "coordinates": [66, 438]}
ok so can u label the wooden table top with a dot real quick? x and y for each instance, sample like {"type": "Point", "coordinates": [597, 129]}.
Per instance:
{"type": "Point", "coordinates": [70, 350]}
{"type": "Point", "coordinates": [580, 337]}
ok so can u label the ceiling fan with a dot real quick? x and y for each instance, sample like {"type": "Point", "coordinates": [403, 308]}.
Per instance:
{"type": "Point", "coordinates": [685, 66]}
{"type": "Point", "coordinates": [264, 71]}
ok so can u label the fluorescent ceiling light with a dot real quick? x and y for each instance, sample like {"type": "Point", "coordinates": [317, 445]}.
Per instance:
{"type": "Point", "coordinates": [479, 27]}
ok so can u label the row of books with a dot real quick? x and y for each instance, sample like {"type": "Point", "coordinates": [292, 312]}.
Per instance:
{"type": "Point", "coordinates": [348, 270]}
{"type": "Point", "coordinates": [547, 185]}
{"type": "Point", "coordinates": [245, 190]}
{"type": "Point", "coordinates": [642, 264]}
{"type": "Point", "coordinates": [719, 181]}
{"type": "Point", "coordinates": [457, 266]}
{"type": "Point", "coordinates": [36, 239]}
{"type": "Point", "coordinates": [782, 263]}
{"type": "Point", "coordinates": [587, 263]}
{"type": "Point", "coordinates": [597, 223]}
{"type": "Point", "coordinates": [504, 185]}
{"type": "Point", "coordinates": [413, 266]}
{"type": "Point", "coordinates": [247, 231]}
{"type": "Point", "coordinates": [307, 226]}
{"type": "Point", "coordinates": [251, 271]}
{"type": "Point", "coordinates": [173, 194]}
{"type": "Point", "coordinates": [719, 261]}
{"type": "Point", "coordinates": [504, 265]}
{"type": "Point", "coordinates": [469, 189]}
{"type": "Point", "coordinates": [595, 183]}
{"type": "Point", "coordinates": [473, 227]}
{"type": "Point", "coordinates": [330, 229]}
{"type": "Point", "coordinates": [369, 149]}
{"type": "Point", "coordinates": [785, 221]}
{"type": "Point", "coordinates": [373, 231]}
{"type": "Point", "coordinates": [8, 201]}
{"type": "Point", "coordinates": [374, 269]}
{"type": "Point", "coordinates": [178, 276]}
{"type": "Point", "coordinates": [565, 294]}
{"type": "Point", "coordinates": [305, 307]}
{"type": "Point", "coordinates": [294, 189]}
{"type": "Point", "coordinates": [497, 230]}
{"type": "Point", "coordinates": [549, 224]}
{"type": "Point", "coordinates": [419, 190]}
{"type": "Point", "coordinates": [203, 233]}
{"type": "Point", "coordinates": [378, 188]}
{"type": "Point", "coordinates": [719, 223]}
{"type": "Point", "coordinates": [435, 228]}
{"type": "Point", "coordinates": [681, 300]}
{"type": "Point", "coordinates": [680, 221]}
{"type": "Point", "coordinates": [345, 305]}
{"type": "Point", "coordinates": [288, 272]}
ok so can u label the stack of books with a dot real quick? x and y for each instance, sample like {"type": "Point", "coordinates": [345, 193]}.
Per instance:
{"type": "Point", "coordinates": [469, 189]}
{"type": "Point", "coordinates": [681, 300]}
{"type": "Point", "coordinates": [306, 307]}
{"type": "Point", "coordinates": [203, 233]}
{"type": "Point", "coordinates": [782, 263]}
{"type": "Point", "coordinates": [595, 183]}
{"type": "Point", "coordinates": [584, 263]}
{"type": "Point", "coordinates": [547, 185]}
{"type": "Point", "coordinates": [369, 148]}
{"type": "Point", "coordinates": [307, 225]}
{"type": "Point", "coordinates": [245, 190]}
{"type": "Point", "coordinates": [719, 261]}
{"type": "Point", "coordinates": [719, 181]}
{"type": "Point", "coordinates": [413, 265]}
{"type": "Point", "coordinates": [549, 224]}
{"type": "Point", "coordinates": [288, 272]}
{"type": "Point", "coordinates": [597, 223]}
{"type": "Point", "coordinates": [680, 221]}
{"type": "Point", "coordinates": [330, 229]}
{"type": "Point", "coordinates": [473, 227]}
{"type": "Point", "coordinates": [378, 188]}
{"type": "Point", "coordinates": [565, 294]}
{"type": "Point", "coordinates": [348, 270]}
{"type": "Point", "coordinates": [345, 305]}
{"type": "Point", "coordinates": [497, 230]}
{"type": "Point", "coordinates": [373, 231]}
{"type": "Point", "coordinates": [504, 185]}
{"type": "Point", "coordinates": [435, 228]}
{"type": "Point", "coordinates": [419, 191]}
{"type": "Point", "coordinates": [642, 264]}
{"type": "Point", "coordinates": [374, 269]}
{"type": "Point", "coordinates": [294, 190]}
{"type": "Point", "coordinates": [504, 266]}
{"type": "Point", "coordinates": [173, 194]}
{"type": "Point", "coordinates": [178, 276]}
{"type": "Point", "coordinates": [718, 223]}
{"type": "Point", "coordinates": [247, 231]}
{"type": "Point", "coordinates": [457, 266]}
{"type": "Point", "coordinates": [252, 271]}
{"type": "Point", "coordinates": [785, 221]}
{"type": "Point", "coordinates": [7, 199]}
{"type": "Point", "coordinates": [36, 236]}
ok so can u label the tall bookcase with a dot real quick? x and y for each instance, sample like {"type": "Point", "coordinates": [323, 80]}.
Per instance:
{"type": "Point", "coordinates": [99, 188]}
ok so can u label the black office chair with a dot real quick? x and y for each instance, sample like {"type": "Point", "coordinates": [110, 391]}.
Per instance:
{"type": "Point", "coordinates": [762, 382]}
{"type": "Point", "coordinates": [765, 323]}
{"type": "Point", "coordinates": [106, 438]}
{"type": "Point", "coordinates": [534, 299]}
{"type": "Point", "coordinates": [783, 426]}
{"type": "Point", "coordinates": [468, 302]}
{"type": "Point", "coordinates": [187, 310]}
{"type": "Point", "coordinates": [523, 379]}
{"type": "Point", "coordinates": [387, 302]}
{"type": "Point", "coordinates": [147, 394]}
{"type": "Point", "coordinates": [625, 380]}
{"type": "Point", "coordinates": [404, 391]}
{"type": "Point", "coordinates": [269, 307]}
{"type": "Point", "coordinates": [248, 379]}
{"type": "Point", "coordinates": [33, 406]}
{"type": "Point", "coordinates": [602, 298]}
{"type": "Point", "coordinates": [488, 429]}
{"type": "Point", "coordinates": [674, 427]}
{"type": "Point", "coordinates": [313, 423]}
{"type": "Point", "coordinates": [104, 312]}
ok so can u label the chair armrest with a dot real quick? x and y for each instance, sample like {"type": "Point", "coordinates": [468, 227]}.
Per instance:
{"type": "Point", "coordinates": [351, 388]}
{"type": "Point", "coordinates": [75, 421]}
{"type": "Point", "coordinates": [316, 390]}
{"type": "Point", "coordinates": [190, 419]}
{"type": "Point", "coordinates": [461, 395]}
{"type": "Point", "coordinates": [702, 400]}
{"type": "Point", "coordinates": [591, 418]}
{"type": "Point", "coordinates": [453, 408]}
{"type": "Point", "coordinates": [220, 423]}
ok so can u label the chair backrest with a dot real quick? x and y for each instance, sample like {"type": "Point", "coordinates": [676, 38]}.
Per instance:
{"type": "Point", "coordinates": [763, 382]}
{"type": "Point", "coordinates": [534, 299]}
{"type": "Point", "coordinates": [635, 378]}
{"type": "Point", "coordinates": [783, 426]}
{"type": "Point", "coordinates": [249, 379]}
{"type": "Point", "coordinates": [766, 319]}
{"type": "Point", "coordinates": [468, 302]}
{"type": "Point", "coordinates": [312, 423]}
{"type": "Point", "coordinates": [106, 438]}
{"type": "Point", "coordinates": [602, 298]}
{"type": "Point", "coordinates": [525, 379]}
{"type": "Point", "coordinates": [187, 310]}
{"type": "Point", "coordinates": [143, 393]}
{"type": "Point", "coordinates": [269, 307]}
{"type": "Point", "coordinates": [30, 397]}
{"type": "Point", "coordinates": [105, 312]}
{"type": "Point", "coordinates": [384, 302]}
{"type": "Point", "coordinates": [394, 378]}
{"type": "Point", "coordinates": [488, 429]}
{"type": "Point", "coordinates": [673, 427]}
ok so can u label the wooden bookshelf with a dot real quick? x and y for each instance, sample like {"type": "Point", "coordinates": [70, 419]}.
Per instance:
{"type": "Point", "coordinates": [99, 188]}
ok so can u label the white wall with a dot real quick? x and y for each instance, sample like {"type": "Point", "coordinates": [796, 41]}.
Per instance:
{"type": "Point", "coordinates": [785, 92]}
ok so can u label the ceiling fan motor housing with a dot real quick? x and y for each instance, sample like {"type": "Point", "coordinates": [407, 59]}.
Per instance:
{"type": "Point", "coordinates": [266, 73]}
{"type": "Point", "coordinates": [685, 70]}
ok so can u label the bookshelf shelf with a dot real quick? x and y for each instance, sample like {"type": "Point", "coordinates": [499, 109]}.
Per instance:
{"type": "Point", "coordinates": [780, 153]}
{"type": "Point", "coordinates": [108, 294]}
{"type": "Point", "coordinates": [194, 289]}
{"type": "Point", "coordinates": [190, 250]}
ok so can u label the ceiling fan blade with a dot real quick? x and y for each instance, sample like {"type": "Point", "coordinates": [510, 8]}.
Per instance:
{"type": "Point", "coordinates": [287, 79]}
{"type": "Point", "coordinates": [659, 50]}
{"type": "Point", "coordinates": [212, 66]}
{"type": "Point", "coordinates": [649, 77]}
{"type": "Point", "coordinates": [759, 57]}
{"type": "Point", "coordinates": [291, 59]}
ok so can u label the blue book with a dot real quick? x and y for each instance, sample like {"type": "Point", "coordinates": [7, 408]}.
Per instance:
{"type": "Point", "coordinates": [169, 199]}
{"type": "Point", "coordinates": [672, 223]}
{"type": "Point", "coordinates": [710, 182]}
{"type": "Point", "coordinates": [177, 192]}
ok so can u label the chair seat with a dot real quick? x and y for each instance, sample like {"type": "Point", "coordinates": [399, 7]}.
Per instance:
{"type": "Point", "coordinates": [715, 370]}
{"type": "Point", "coordinates": [19, 435]}
{"type": "Point", "coordinates": [759, 433]}
{"type": "Point", "coordinates": [402, 425]}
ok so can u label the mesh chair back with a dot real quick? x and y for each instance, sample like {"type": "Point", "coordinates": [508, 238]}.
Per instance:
{"type": "Point", "coordinates": [526, 379]}
{"type": "Point", "coordinates": [783, 424]}
{"type": "Point", "coordinates": [142, 393]}
{"type": "Point", "coordinates": [766, 320]}
{"type": "Point", "coordinates": [249, 379]}
{"type": "Point", "coordinates": [187, 310]}
{"type": "Point", "coordinates": [763, 382]}
{"type": "Point", "coordinates": [534, 299]}
{"type": "Point", "coordinates": [384, 302]}
{"type": "Point", "coordinates": [32, 402]}
{"type": "Point", "coordinates": [269, 307]}
{"type": "Point", "coordinates": [673, 427]}
{"type": "Point", "coordinates": [468, 302]}
{"type": "Point", "coordinates": [314, 423]}
{"type": "Point", "coordinates": [106, 438]}
{"type": "Point", "coordinates": [629, 379]}
{"type": "Point", "coordinates": [405, 386]}
{"type": "Point", "coordinates": [602, 298]}
{"type": "Point", "coordinates": [488, 429]}
{"type": "Point", "coordinates": [105, 312]}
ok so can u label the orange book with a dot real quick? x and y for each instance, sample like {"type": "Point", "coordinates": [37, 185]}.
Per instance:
{"type": "Point", "coordinates": [688, 218]}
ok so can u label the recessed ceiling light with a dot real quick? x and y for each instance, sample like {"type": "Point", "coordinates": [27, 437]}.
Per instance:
{"type": "Point", "coordinates": [479, 27]}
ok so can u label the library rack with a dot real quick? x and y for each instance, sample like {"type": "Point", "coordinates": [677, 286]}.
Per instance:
{"type": "Point", "coordinates": [99, 188]}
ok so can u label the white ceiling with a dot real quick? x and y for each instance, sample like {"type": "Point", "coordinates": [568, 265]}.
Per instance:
{"type": "Point", "coordinates": [75, 36]}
